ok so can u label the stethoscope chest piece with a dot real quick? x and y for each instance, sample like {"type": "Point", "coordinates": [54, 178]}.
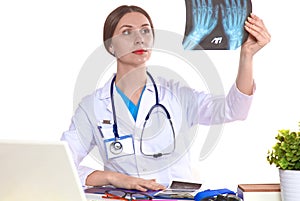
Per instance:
{"type": "Point", "coordinates": [116, 147]}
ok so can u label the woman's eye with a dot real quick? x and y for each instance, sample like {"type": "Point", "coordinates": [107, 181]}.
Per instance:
{"type": "Point", "coordinates": [145, 31]}
{"type": "Point", "coordinates": [126, 32]}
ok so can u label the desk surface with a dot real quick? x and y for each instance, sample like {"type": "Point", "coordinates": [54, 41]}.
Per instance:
{"type": "Point", "coordinates": [94, 197]}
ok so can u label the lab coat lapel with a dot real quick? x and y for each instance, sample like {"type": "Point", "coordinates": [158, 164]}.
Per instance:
{"type": "Point", "coordinates": [147, 101]}
{"type": "Point", "coordinates": [125, 120]}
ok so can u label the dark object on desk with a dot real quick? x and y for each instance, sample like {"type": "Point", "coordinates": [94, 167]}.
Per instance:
{"type": "Point", "coordinates": [179, 190]}
{"type": "Point", "coordinates": [227, 197]}
{"type": "Point", "coordinates": [181, 185]}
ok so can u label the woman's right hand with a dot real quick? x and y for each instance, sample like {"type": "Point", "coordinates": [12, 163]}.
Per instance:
{"type": "Point", "coordinates": [101, 178]}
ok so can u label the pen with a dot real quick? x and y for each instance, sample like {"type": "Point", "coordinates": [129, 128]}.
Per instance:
{"type": "Point", "coordinates": [100, 130]}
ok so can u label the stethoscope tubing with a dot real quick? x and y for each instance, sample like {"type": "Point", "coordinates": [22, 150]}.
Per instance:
{"type": "Point", "coordinates": [157, 104]}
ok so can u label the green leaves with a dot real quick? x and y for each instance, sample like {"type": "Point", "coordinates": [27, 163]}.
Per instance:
{"type": "Point", "coordinates": [285, 154]}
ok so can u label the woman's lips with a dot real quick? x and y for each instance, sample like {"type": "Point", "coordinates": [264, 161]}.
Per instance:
{"type": "Point", "coordinates": [141, 51]}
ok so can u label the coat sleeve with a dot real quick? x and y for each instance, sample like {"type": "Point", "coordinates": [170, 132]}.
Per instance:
{"type": "Point", "coordinates": [207, 109]}
{"type": "Point", "coordinates": [80, 141]}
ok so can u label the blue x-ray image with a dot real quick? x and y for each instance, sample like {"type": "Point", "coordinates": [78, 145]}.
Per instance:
{"type": "Point", "coordinates": [215, 24]}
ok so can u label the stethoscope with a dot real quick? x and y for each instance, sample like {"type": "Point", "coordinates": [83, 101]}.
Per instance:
{"type": "Point", "coordinates": [116, 147]}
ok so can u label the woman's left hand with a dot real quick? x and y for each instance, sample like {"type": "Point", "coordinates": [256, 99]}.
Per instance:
{"type": "Point", "coordinates": [258, 35]}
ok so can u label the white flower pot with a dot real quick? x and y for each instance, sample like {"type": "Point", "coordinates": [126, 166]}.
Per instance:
{"type": "Point", "coordinates": [290, 185]}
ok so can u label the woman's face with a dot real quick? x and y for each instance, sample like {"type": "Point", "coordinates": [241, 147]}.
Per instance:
{"type": "Point", "coordinates": [132, 39]}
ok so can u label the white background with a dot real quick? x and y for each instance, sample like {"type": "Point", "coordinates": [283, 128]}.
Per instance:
{"type": "Point", "coordinates": [43, 45]}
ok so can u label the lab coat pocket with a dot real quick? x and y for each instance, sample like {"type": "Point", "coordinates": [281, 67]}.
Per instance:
{"type": "Point", "coordinates": [105, 130]}
{"type": "Point", "coordinates": [119, 147]}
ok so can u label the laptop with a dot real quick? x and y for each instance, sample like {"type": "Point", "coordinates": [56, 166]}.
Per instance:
{"type": "Point", "coordinates": [38, 171]}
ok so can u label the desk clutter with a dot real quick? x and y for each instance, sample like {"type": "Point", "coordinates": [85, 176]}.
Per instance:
{"type": "Point", "coordinates": [245, 192]}
{"type": "Point", "coordinates": [103, 193]}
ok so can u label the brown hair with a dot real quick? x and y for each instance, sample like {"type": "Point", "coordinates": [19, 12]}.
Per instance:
{"type": "Point", "coordinates": [113, 19]}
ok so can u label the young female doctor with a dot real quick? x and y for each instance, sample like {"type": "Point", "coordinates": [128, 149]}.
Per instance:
{"type": "Point", "coordinates": [117, 118]}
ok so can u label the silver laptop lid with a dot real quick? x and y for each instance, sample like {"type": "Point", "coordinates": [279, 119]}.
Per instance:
{"type": "Point", "coordinates": [35, 171]}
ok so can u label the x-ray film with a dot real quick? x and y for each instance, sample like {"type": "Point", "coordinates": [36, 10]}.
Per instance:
{"type": "Point", "coordinates": [216, 24]}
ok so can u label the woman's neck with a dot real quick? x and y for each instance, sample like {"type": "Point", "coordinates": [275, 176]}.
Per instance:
{"type": "Point", "coordinates": [131, 81]}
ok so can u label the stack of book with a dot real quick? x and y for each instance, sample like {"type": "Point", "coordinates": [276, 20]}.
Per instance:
{"type": "Point", "coordinates": [259, 192]}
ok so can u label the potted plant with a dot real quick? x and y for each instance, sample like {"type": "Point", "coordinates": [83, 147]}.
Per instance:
{"type": "Point", "coordinates": [285, 154]}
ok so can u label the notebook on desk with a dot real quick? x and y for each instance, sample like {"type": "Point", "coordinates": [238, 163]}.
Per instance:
{"type": "Point", "coordinates": [35, 171]}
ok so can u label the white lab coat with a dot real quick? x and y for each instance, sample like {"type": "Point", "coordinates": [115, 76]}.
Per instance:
{"type": "Point", "coordinates": [187, 108]}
